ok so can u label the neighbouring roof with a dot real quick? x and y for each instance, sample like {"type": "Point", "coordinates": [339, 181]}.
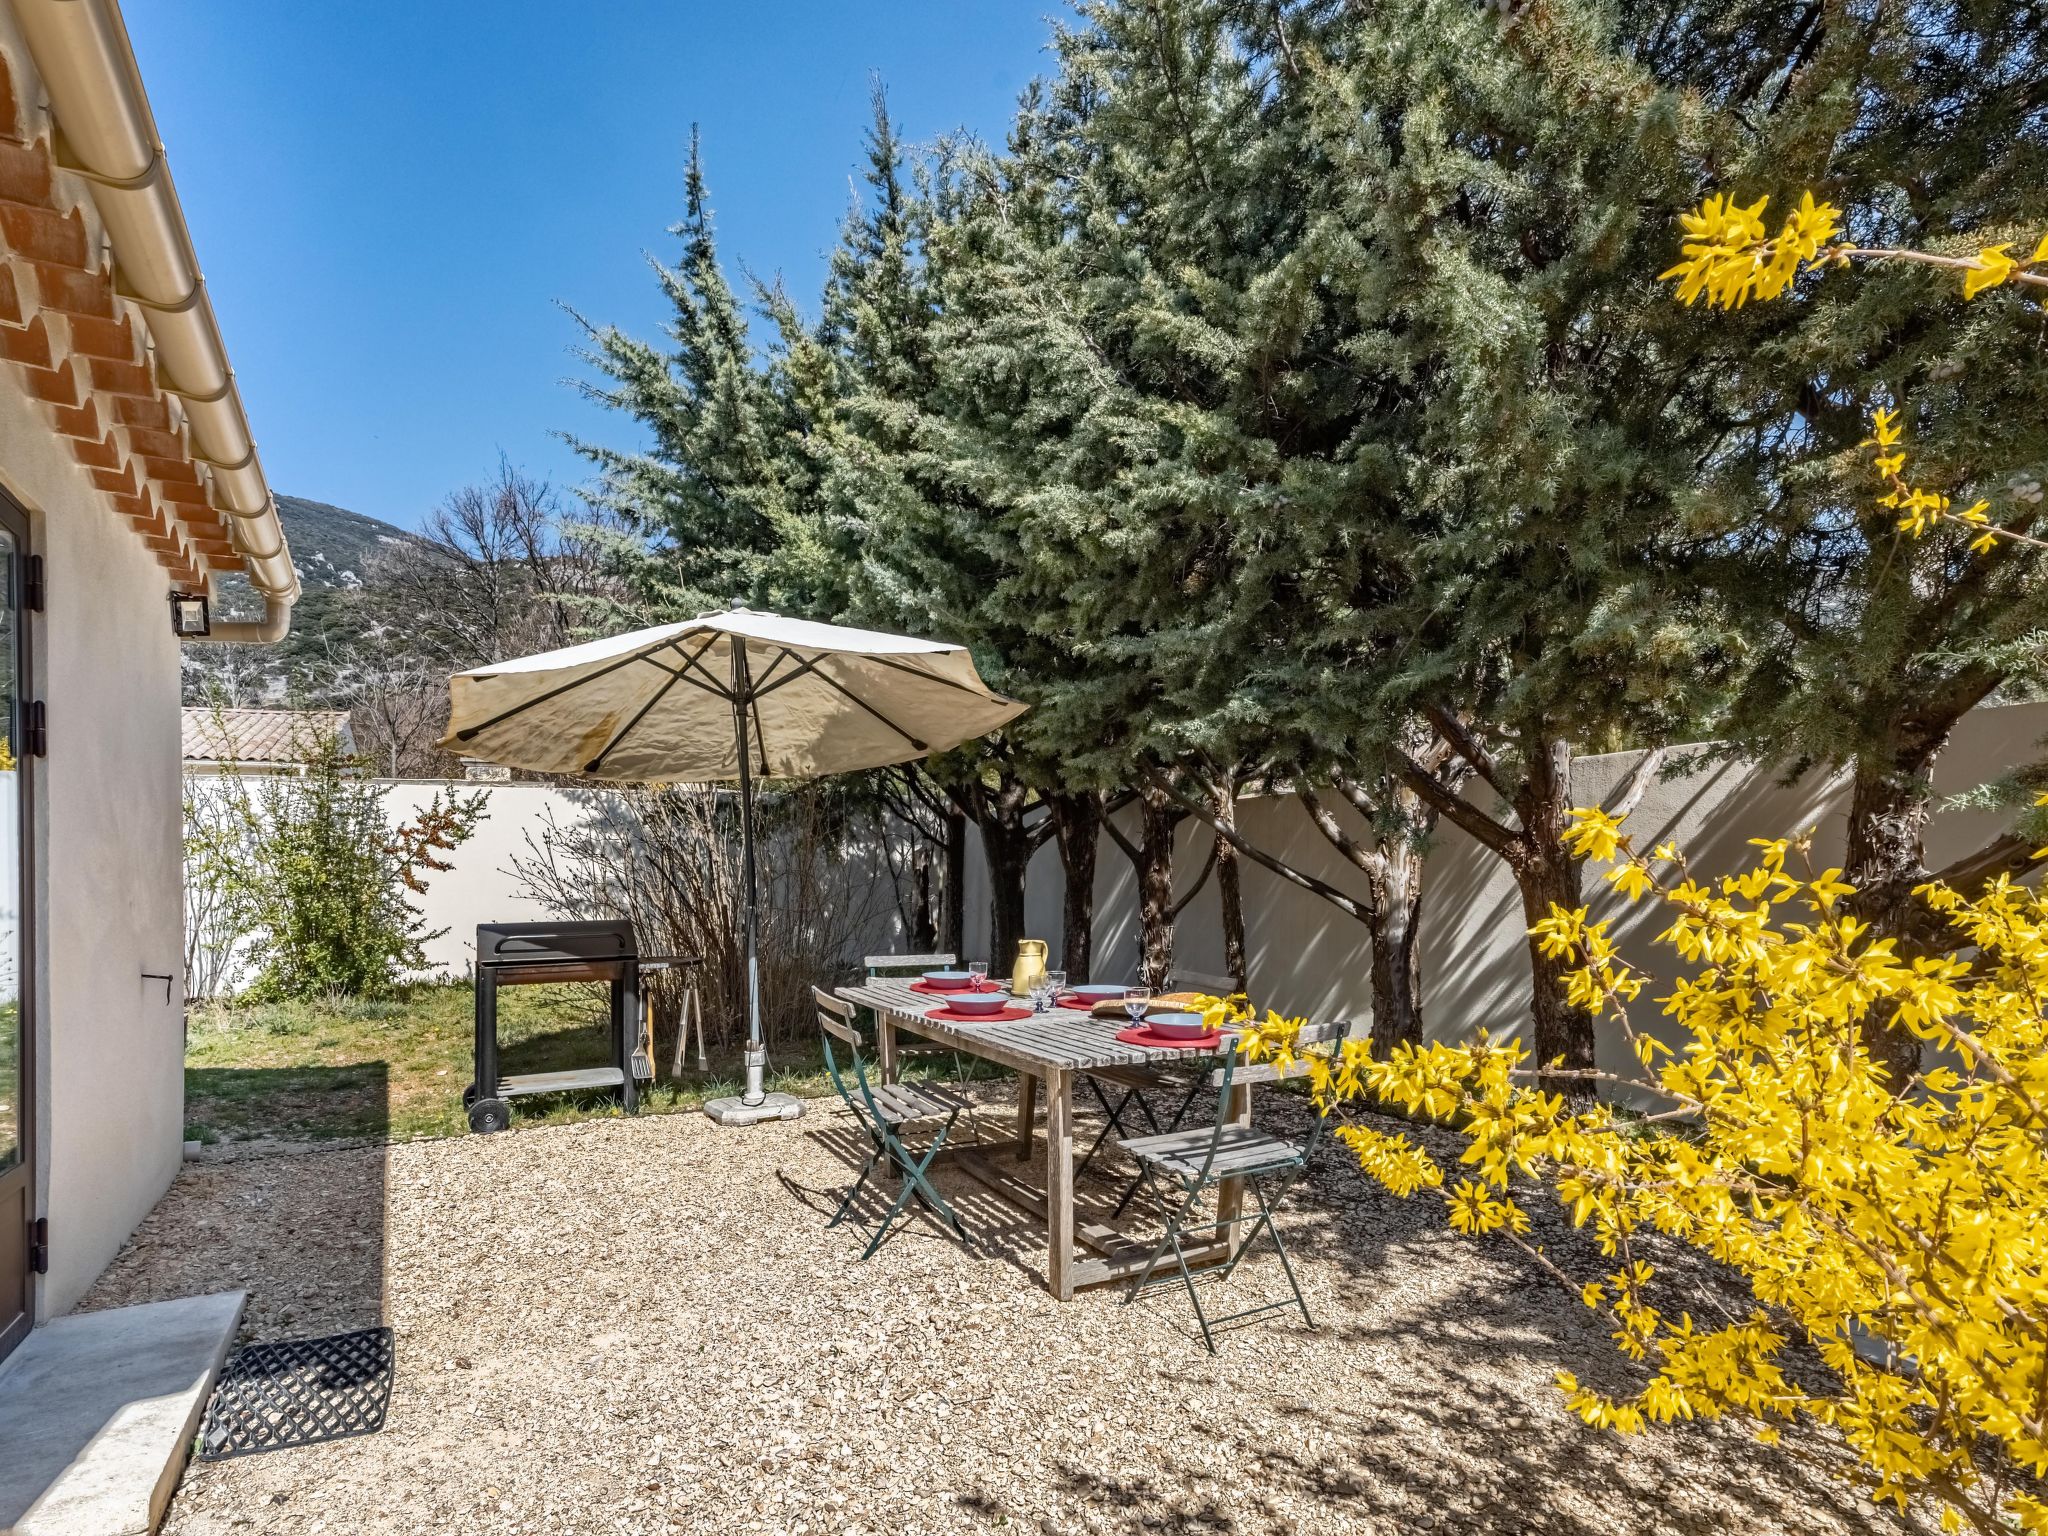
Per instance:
{"type": "Point", "coordinates": [259, 738]}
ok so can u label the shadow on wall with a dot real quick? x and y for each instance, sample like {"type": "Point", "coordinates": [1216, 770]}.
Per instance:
{"type": "Point", "coordinates": [1306, 957]}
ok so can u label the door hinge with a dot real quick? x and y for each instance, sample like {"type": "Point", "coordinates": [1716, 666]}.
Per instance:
{"type": "Point", "coordinates": [32, 583]}
{"type": "Point", "coordinates": [35, 736]}
{"type": "Point", "coordinates": [39, 1245]}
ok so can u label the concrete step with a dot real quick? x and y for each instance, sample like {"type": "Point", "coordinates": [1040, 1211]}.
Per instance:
{"type": "Point", "coordinates": [98, 1412]}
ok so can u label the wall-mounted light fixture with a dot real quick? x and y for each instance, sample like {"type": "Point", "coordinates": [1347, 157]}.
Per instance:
{"type": "Point", "coordinates": [189, 618]}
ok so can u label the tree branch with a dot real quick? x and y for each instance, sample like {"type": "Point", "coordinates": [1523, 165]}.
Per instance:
{"type": "Point", "coordinates": [1638, 781]}
{"type": "Point", "coordinates": [1467, 745]}
{"type": "Point", "coordinates": [1371, 863]}
{"type": "Point", "coordinates": [1208, 866]}
{"type": "Point", "coordinates": [969, 798]}
{"type": "Point", "coordinates": [2006, 854]}
{"type": "Point", "coordinates": [1481, 827]}
{"type": "Point", "coordinates": [1040, 833]}
{"type": "Point", "coordinates": [1350, 906]}
{"type": "Point", "coordinates": [1116, 836]}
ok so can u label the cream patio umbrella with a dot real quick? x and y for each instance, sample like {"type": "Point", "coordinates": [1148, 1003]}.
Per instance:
{"type": "Point", "coordinates": [736, 695]}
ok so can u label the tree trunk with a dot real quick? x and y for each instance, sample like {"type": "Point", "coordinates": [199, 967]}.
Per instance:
{"type": "Point", "coordinates": [1229, 889]}
{"type": "Point", "coordinates": [1077, 824]}
{"type": "Point", "coordinates": [924, 931]}
{"type": "Point", "coordinates": [1889, 804]}
{"type": "Point", "coordinates": [1158, 817]}
{"type": "Point", "coordinates": [1393, 868]}
{"type": "Point", "coordinates": [1008, 852]}
{"type": "Point", "coordinates": [953, 886]}
{"type": "Point", "coordinates": [1548, 875]}
{"type": "Point", "coordinates": [1396, 929]}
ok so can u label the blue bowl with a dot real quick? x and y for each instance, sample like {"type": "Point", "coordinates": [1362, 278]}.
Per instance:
{"type": "Point", "coordinates": [1177, 1026]}
{"type": "Point", "coordinates": [978, 1002]}
{"type": "Point", "coordinates": [949, 981]}
{"type": "Point", "coordinates": [1099, 992]}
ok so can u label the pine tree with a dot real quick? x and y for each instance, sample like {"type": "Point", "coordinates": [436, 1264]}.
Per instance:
{"type": "Point", "coordinates": [1142, 339]}
{"type": "Point", "coordinates": [1577, 548]}
{"type": "Point", "coordinates": [1870, 646]}
{"type": "Point", "coordinates": [907, 504]}
{"type": "Point", "coordinates": [720, 489]}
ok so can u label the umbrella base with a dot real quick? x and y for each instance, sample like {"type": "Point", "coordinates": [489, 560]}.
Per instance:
{"type": "Point", "coordinates": [734, 1110]}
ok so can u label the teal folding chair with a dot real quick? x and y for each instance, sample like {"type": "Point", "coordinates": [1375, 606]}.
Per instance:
{"type": "Point", "coordinates": [885, 1110]}
{"type": "Point", "coordinates": [913, 1048]}
{"type": "Point", "coordinates": [1181, 1166]}
{"type": "Point", "coordinates": [1130, 1093]}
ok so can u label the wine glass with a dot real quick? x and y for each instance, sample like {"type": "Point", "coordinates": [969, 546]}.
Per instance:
{"type": "Point", "coordinates": [1041, 994]}
{"type": "Point", "coordinates": [1056, 984]}
{"type": "Point", "coordinates": [978, 970]}
{"type": "Point", "coordinates": [1136, 1001]}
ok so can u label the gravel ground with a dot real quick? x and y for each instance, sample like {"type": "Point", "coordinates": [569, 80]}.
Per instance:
{"type": "Point", "coordinates": [645, 1326]}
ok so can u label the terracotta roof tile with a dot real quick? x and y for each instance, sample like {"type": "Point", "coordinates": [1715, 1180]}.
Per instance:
{"type": "Point", "coordinates": [257, 737]}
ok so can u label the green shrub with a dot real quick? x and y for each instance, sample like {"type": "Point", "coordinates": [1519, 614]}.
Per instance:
{"type": "Point", "coordinates": [319, 882]}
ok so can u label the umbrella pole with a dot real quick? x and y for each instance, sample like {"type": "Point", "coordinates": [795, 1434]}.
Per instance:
{"type": "Point", "coordinates": [756, 1103]}
{"type": "Point", "coordinates": [757, 1050]}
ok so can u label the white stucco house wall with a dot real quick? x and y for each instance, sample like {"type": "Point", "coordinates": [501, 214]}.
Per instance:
{"type": "Point", "coordinates": [127, 474]}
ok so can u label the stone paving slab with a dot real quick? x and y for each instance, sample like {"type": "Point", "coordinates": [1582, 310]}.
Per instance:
{"type": "Point", "coordinates": [98, 1411]}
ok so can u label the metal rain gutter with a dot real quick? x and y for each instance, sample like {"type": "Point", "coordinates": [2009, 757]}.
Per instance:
{"type": "Point", "coordinates": [109, 138]}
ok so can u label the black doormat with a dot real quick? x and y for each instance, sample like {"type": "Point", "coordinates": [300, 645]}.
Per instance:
{"type": "Point", "coordinates": [298, 1392]}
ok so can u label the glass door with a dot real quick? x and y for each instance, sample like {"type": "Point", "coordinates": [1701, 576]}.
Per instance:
{"type": "Point", "coordinates": [17, 1074]}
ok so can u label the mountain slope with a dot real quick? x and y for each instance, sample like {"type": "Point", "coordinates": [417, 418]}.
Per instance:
{"type": "Point", "coordinates": [334, 551]}
{"type": "Point", "coordinates": [332, 546]}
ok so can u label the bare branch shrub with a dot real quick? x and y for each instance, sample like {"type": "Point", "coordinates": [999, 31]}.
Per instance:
{"type": "Point", "coordinates": [214, 849]}
{"type": "Point", "coordinates": [501, 568]}
{"type": "Point", "coordinates": [668, 859]}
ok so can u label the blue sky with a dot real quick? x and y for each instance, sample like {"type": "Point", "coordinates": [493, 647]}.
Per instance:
{"type": "Point", "coordinates": [390, 198]}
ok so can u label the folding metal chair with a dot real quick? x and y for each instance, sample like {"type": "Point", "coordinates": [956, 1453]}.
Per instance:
{"type": "Point", "coordinates": [1136, 1087]}
{"type": "Point", "coordinates": [884, 1111]}
{"type": "Point", "coordinates": [911, 1048]}
{"type": "Point", "coordinates": [1191, 1162]}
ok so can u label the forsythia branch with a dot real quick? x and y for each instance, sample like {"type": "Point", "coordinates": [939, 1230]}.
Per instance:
{"type": "Point", "coordinates": [1901, 1235]}
{"type": "Point", "coordinates": [1729, 258]}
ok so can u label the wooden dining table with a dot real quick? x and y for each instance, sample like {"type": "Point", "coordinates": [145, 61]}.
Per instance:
{"type": "Point", "coordinates": [1049, 1052]}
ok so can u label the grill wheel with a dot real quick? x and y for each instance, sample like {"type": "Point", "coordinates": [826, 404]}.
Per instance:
{"type": "Point", "coordinates": [489, 1115]}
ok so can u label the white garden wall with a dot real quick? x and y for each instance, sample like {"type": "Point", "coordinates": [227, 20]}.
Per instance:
{"type": "Point", "coordinates": [1307, 957]}
{"type": "Point", "coordinates": [481, 886]}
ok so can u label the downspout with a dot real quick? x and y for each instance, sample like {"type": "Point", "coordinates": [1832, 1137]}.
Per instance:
{"type": "Point", "coordinates": [109, 138]}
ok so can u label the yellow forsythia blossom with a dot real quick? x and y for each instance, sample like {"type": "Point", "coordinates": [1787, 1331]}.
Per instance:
{"type": "Point", "coordinates": [1993, 268]}
{"type": "Point", "coordinates": [1921, 510]}
{"type": "Point", "coordinates": [1729, 258]}
{"type": "Point", "coordinates": [1901, 1228]}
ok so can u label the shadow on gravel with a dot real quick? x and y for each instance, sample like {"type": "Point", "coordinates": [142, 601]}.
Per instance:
{"type": "Point", "coordinates": [303, 1233]}
{"type": "Point", "coordinates": [998, 1229]}
{"type": "Point", "coordinates": [1502, 1460]}
{"type": "Point", "coordinates": [1460, 1432]}
{"type": "Point", "coordinates": [350, 1100]}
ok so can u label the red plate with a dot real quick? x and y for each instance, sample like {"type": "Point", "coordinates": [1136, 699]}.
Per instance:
{"type": "Point", "coordinates": [1001, 1015]}
{"type": "Point", "coordinates": [1142, 1034]}
{"type": "Point", "coordinates": [931, 991]}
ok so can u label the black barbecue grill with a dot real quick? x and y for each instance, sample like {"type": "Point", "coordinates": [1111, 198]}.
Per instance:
{"type": "Point", "coordinates": [514, 954]}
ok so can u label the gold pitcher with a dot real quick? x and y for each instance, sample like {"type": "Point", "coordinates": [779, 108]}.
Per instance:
{"type": "Point", "coordinates": [1030, 967]}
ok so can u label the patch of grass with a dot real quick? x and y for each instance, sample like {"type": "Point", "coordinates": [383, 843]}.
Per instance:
{"type": "Point", "coordinates": [395, 1068]}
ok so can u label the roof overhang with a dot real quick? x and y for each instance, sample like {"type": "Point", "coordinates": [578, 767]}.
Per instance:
{"type": "Point", "coordinates": [118, 338]}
